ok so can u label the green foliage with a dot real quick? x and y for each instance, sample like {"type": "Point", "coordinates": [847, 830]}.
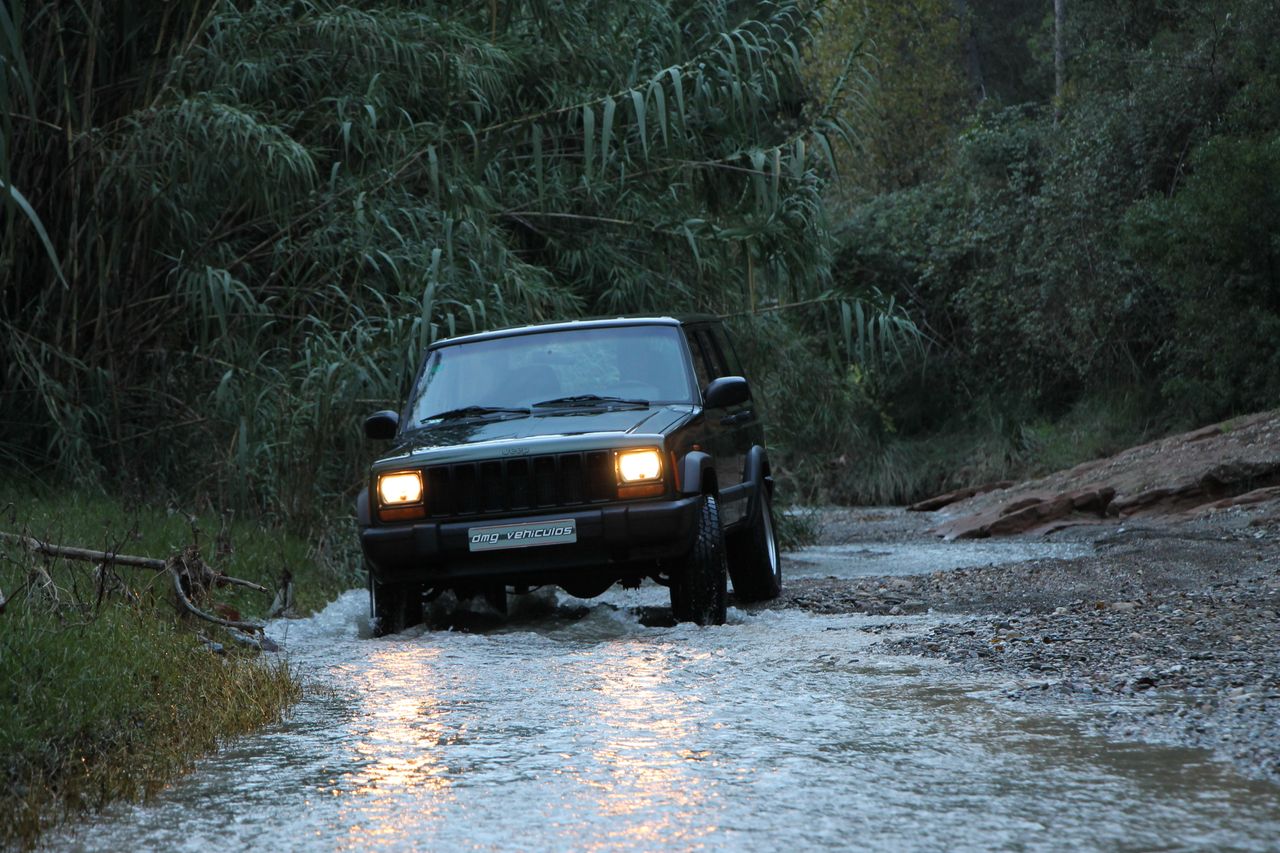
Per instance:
{"type": "Point", "coordinates": [233, 227]}
{"type": "Point", "coordinates": [265, 211]}
{"type": "Point", "coordinates": [1214, 249]}
{"type": "Point", "coordinates": [913, 95]}
{"type": "Point", "coordinates": [1129, 243]}
{"type": "Point", "coordinates": [109, 694]}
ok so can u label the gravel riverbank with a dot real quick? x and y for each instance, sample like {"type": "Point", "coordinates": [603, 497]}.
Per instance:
{"type": "Point", "coordinates": [1183, 617]}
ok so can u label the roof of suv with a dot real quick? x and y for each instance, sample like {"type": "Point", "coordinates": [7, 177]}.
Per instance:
{"type": "Point", "coordinates": [566, 325]}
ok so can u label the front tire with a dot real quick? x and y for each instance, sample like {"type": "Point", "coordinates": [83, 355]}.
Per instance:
{"type": "Point", "coordinates": [754, 561]}
{"type": "Point", "coordinates": [699, 588]}
{"type": "Point", "coordinates": [395, 606]}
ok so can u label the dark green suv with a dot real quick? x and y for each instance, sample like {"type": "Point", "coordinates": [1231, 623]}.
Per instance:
{"type": "Point", "coordinates": [581, 454]}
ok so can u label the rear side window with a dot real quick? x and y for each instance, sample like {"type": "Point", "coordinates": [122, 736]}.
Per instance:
{"type": "Point", "coordinates": [728, 357]}
{"type": "Point", "coordinates": [705, 366]}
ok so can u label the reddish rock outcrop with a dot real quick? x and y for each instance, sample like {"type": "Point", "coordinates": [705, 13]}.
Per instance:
{"type": "Point", "coordinates": [1230, 464]}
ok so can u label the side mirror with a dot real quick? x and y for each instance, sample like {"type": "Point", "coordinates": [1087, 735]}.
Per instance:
{"type": "Point", "coordinates": [381, 425]}
{"type": "Point", "coordinates": [725, 392]}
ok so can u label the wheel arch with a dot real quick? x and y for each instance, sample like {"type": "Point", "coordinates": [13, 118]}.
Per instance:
{"type": "Point", "coordinates": [698, 474]}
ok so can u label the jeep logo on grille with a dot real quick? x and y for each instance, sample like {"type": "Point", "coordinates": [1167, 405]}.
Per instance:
{"type": "Point", "coordinates": [514, 451]}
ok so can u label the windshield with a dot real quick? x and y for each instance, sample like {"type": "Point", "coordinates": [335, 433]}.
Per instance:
{"type": "Point", "coordinates": [644, 363]}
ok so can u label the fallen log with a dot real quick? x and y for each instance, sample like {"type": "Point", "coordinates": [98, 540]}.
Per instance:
{"type": "Point", "coordinates": [186, 568]}
{"type": "Point", "coordinates": [118, 559]}
{"type": "Point", "coordinates": [937, 502]}
{"type": "Point", "coordinates": [86, 554]}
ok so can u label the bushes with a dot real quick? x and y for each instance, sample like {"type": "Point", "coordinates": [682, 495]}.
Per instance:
{"type": "Point", "coordinates": [107, 692]}
{"type": "Point", "coordinates": [1214, 249]}
{"type": "Point", "coordinates": [265, 211]}
{"type": "Point", "coordinates": [1132, 242]}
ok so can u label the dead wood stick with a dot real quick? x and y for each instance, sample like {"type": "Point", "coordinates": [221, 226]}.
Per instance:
{"type": "Point", "coordinates": [221, 579]}
{"type": "Point", "coordinates": [92, 556]}
{"type": "Point", "coordinates": [196, 611]}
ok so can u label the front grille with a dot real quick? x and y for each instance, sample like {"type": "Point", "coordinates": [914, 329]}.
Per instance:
{"type": "Point", "coordinates": [526, 483]}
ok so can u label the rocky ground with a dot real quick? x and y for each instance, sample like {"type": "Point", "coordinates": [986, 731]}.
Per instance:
{"type": "Point", "coordinates": [1180, 612]}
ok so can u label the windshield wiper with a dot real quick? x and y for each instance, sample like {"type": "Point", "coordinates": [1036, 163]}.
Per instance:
{"type": "Point", "coordinates": [473, 412]}
{"type": "Point", "coordinates": [588, 400]}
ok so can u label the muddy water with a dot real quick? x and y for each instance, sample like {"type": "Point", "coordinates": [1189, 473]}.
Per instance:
{"type": "Point", "coordinates": [597, 726]}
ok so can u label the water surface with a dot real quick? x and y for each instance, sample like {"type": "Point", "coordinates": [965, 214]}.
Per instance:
{"type": "Point", "coordinates": [576, 725]}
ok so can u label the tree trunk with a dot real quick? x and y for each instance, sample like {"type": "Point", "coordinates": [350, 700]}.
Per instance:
{"type": "Point", "coordinates": [972, 61]}
{"type": "Point", "coordinates": [1059, 60]}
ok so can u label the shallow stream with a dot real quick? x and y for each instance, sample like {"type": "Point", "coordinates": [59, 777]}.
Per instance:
{"type": "Point", "coordinates": [599, 725]}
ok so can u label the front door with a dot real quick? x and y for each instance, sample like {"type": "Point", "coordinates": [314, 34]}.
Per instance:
{"type": "Point", "coordinates": [727, 436]}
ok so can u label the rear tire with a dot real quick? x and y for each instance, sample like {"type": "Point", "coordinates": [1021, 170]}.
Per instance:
{"type": "Point", "coordinates": [699, 588]}
{"type": "Point", "coordinates": [395, 606]}
{"type": "Point", "coordinates": [754, 561]}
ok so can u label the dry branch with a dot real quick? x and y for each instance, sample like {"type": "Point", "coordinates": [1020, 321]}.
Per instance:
{"type": "Point", "coordinates": [196, 611]}
{"type": "Point", "coordinates": [187, 569]}
{"type": "Point", "coordinates": [86, 554]}
{"type": "Point", "coordinates": [89, 555]}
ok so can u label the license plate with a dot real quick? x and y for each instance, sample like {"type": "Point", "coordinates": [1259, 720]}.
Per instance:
{"type": "Point", "coordinates": [525, 535]}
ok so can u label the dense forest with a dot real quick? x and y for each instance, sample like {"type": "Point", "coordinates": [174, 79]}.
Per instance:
{"type": "Point", "coordinates": [958, 238]}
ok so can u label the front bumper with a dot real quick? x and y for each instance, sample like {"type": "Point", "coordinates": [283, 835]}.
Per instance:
{"type": "Point", "coordinates": [617, 539]}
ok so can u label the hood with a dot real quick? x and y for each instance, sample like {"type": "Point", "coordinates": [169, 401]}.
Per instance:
{"type": "Point", "coordinates": [656, 420]}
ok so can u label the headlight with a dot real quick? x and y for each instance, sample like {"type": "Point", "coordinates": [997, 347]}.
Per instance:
{"type": "Point", "coordinates": [403, 487]}
{"type": "Point", "coordinates": [638, 466]}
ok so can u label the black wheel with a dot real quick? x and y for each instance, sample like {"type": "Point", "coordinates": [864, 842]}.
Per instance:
{"type": "Point", "coordinates": [396, 606]}
{"type": "Point", "coordinates": [699, 588]}
{"type": "Point", "coordinates": [754, 562]}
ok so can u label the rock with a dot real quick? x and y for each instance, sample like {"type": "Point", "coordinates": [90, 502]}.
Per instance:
{"type": "Point", "coordinates": [939, 501]}
{"type": "Point", "coordinates": [1218, 467]}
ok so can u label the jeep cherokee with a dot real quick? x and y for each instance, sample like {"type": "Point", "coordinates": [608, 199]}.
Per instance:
{"type": "Point", "coordinates": [581, 454]}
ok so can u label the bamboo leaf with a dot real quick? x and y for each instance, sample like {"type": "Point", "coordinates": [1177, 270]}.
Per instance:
{"type": "Point", "coordinates": [638, 106]}
{"type": "Point", "coordinates": [606, 133]}
{"type": "Point", "coordinates": [677, 85]}
{"type": "Point", "coordinates": [824, 145]}
{"type": "Point", "coordinates": [34, 219]}
{"type": "Point", "coordinates": [433, 170]}
{"type": "Point", "coordinates": [693, 244]}
{"type": "Point", "coordinates": [588, 138]}
{"type": "Point", "coordinates": [660, 105]}
{"type": "Point", "coordinates": [537, 162]}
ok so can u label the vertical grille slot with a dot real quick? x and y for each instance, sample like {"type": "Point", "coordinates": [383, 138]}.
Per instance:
{"type": "Point", "coordinates": [466, 495]}
{"type": "Point", "coordinates": [600, 479]}
{"type": "Point", "coordinates": [492, 489]}
{"type": "Point", "coordinates": [440, 491]}
{"type": "Point", "coordinates": [545, 479]}
{"type": "Point", "coordinates": [519, 488]}
{"type": "Point", "coordinates": [571, 491]}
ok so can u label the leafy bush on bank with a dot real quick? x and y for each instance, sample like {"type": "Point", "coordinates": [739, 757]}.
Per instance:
{"type": "Point", "coordinates": [108, 693]}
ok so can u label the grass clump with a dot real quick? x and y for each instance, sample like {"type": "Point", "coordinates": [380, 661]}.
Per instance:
{"type": "Point", "coordinates": [108, 692]}
{"type": "Point", "coordinates": [111, 703]}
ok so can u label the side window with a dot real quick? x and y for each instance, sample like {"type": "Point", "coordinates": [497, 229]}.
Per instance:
{"type": "Point", "coordinates": [715, 358]}
{"type": "Point", "coordinates": [728, 357]}
{"type": "Point", "coordinates": [701, 364]}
